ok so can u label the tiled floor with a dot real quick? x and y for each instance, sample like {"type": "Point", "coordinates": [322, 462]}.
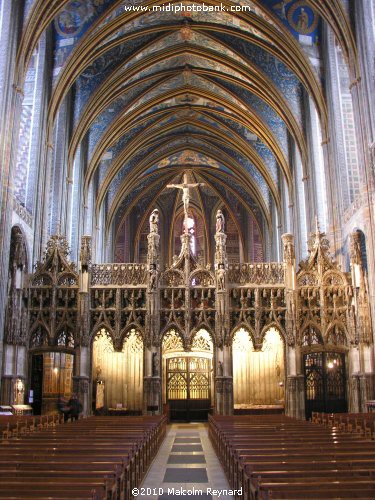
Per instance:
{"type": "Point", "coordinates": [186, 463]}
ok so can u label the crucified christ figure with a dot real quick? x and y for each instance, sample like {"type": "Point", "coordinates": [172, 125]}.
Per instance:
{"type": "Point", "coordinates": [185, 195]}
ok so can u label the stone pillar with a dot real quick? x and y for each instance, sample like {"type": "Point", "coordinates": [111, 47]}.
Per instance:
{"type": "Point", "coordinates": [82, 378]}
{"type": "Point", "coordinates": [224, 395]}
{"type": "Point", "coordinates": [361, 360]}
{"type": "Point", "coordinates": [11, 97]}
{"type": "Point", "coordinates": [223, 369]}
{"type": "Point", "coordinates": [294, 385]}
{"type": "Point", "coordinates": [152, 369]}
{"type": "Point", "coordinates": [152, 393]}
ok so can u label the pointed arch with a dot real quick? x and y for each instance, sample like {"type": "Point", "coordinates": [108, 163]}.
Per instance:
{"type": "Point", "coordinates": [172, 339]}
{"type": "Point", "coordinates": [311, 335]}
{"type": "Point", "coordinates": [206, 339]}
{"type": "Point", "coordinates": [337, 335]}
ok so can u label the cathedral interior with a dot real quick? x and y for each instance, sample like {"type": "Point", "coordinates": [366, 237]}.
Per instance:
{"type": "Point", "coordinates": [187, 206]}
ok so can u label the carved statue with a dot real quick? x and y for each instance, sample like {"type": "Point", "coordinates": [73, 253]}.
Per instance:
{"type": "Point", "coordinates": [85, 254]}
{"type": "Point", "coordinates": [154, 221]}
{"type": "Point", "coordinates": [288, 248]}
{"type": "Point", "coordinates": [220, 370]}
{"type": "Point", "coordinates": [185, 186]}
{"type": "Point", "coordinates": [152, 277]}
{"type": "Point", "coordinates": [220, 222]}
{"type": "Point", "coordinates": [220, 276]}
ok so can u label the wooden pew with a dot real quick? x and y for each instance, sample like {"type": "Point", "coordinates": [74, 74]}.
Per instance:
{"type": "Point", "coordinates": [98, 457]}
{"type": "Point", "coordinates": [285, 457]}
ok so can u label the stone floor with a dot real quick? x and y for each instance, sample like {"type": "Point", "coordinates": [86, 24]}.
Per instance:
{"type": "Point", "coordinates": [186, 466]}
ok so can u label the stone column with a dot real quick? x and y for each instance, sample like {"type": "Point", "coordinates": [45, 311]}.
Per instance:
{"type": "Point", "coordinates": [361, 359]}
{"type": "Point", "coordinates": [294, 384]}
{"type": "Point", "coordinates": [152, 370]}
{"type": "Point", "coordinates": [11, 97]}
{"type": "Point", "coordinates": [223, 368]}
{"type": "Point", "coordinates": [152, 393]}
{"type": "Point", "coordinates": [83, 377]}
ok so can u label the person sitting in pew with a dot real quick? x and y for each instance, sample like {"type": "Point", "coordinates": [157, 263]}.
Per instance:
{"type": "Point", "coordinates": [74, 408]}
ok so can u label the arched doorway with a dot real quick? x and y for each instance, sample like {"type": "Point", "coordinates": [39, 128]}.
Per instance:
{"type": "Point", "coordinates": [258, 375]}
{"type": "Point", "coordinates": [187, 375]}
{"type": "Point", "coordinates": [51, 375]}
{"type": "Point", "coordinates": [324, 365]}
{"type": "Point", "coordinates": [118, 376]}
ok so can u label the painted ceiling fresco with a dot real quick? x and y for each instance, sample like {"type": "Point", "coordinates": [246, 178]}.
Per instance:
{"type": "Point", "coordinates": [220, 94]}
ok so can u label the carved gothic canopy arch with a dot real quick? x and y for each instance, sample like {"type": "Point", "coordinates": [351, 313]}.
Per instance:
{"type": "Point", "coordinates": [172, 341]}
{"type": "Point", "coordinates": [307, 278]}
{"type": "Point", "coordinates": [202, 339]}
{"type": "Point", "coordinates": [104, 337]}
{"type": "Point", "coordinates": [131, 331]}
{"type": "Point", "coordinates": [41, 279]}
{"type": "Point", "coordinates": [337, 335]}
{"type": "Point", "coordinates": [320, 259]}
{"type": "Point", "coordinates": [65, 338]}
{"type": "Point", "coordinates": [133, 341]}
{"type": "Point", "coordinates": [53, 294]}
{"type": "Point", "coordinates": [39, 337]}
{"type": "Point", "coordinates": [311, 336]}
{"type": "Point", "coordinates": [335, 278]}
{"type": "Point", "coordinates": [172, 278]}
{"type": "Point", "coordinates": [202, 278]}
{"type": "Point", "coordinates": [102, 325]}
{"type": "Point", "coordinates": [67, 279]}
{"type": "Point", "coordinates": [243, 328]}
{"type": "Point", "coordinates": [275, 326]}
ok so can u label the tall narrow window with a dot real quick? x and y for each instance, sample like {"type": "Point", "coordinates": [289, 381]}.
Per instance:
{"type": "Point", "coordinates": [191, 229]}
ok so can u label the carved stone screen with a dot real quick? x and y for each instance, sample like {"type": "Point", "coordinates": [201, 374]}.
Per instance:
{"type": "Point", "coordinates": [258, 376]}
{"type": "Point", "coordinates": [122, 372]}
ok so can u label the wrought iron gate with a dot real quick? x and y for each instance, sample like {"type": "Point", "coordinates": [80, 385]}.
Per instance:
{"type": "Point", "coordinates": [325, 382]}
{"type": "Point", "coordinates": [188, 388]}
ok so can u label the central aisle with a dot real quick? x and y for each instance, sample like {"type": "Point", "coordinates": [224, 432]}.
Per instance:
{"type": "Point", "coordinates": [185, 461]}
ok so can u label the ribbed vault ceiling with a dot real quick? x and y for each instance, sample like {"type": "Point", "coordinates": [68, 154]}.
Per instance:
{"type": "Point", "coordinates": [156, 93]}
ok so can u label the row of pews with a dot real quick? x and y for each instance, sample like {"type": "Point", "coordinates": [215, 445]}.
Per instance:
{"type": "Point", "coordinates": [15, 426]}
{"type": "Point", "coordinates": [362, 424]}
{"type": "Point", "coordinates": [93, 458]}
{"type": "Point", "coordinates": [277, 457]}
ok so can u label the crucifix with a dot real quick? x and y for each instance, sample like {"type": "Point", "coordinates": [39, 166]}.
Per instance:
{"type": "Point", "coordinates": [185, 197]}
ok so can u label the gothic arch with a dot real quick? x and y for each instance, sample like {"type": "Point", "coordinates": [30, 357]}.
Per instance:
{"type": "Point", "coordinates": [334, 278]}
{"type": "Point", "coordinates": [98, 329]}
{"type": "Point", "coordinates": [170, 329]}
{"type": "Point", "coordinates": [202, 274]}
{"type": "Point", "coordinates": [39, 337]}
{"type": "Point", "coordinates": [206, 328]}
{"type": "Point", "coordinates": [126, 332]}
{"type": "Point", "coordinates": [311, 335]}
{"type": "Point", "coordinates": [337, 335]}
{"type": "Point", "coordinates": [66, 337]}
{"type": "Point", "coordinates": [274, 326]}
{"type": "Point", "coordinates": [247, 328]}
